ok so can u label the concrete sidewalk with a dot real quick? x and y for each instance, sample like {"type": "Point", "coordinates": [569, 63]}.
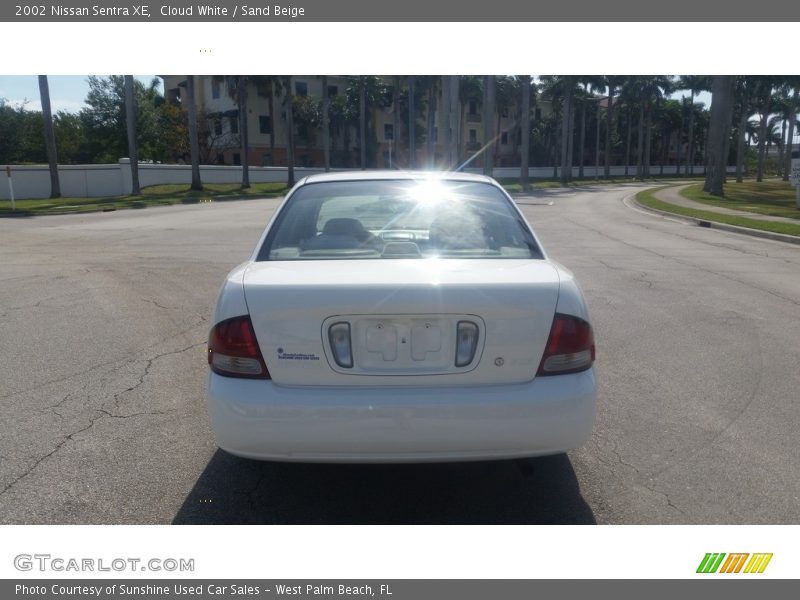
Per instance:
{"type": "Point", "coordinates": [673, 196]}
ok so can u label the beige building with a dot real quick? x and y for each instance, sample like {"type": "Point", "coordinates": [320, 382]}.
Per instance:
{"type": "Point", "coordinates": [267, 131]}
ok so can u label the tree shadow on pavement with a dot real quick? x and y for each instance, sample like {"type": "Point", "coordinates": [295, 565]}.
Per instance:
{"type": "Point", "coordinates": [232, 490]}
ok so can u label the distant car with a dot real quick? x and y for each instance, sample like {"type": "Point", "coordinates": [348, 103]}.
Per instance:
{"type": "Point", "coordinates": [400, 317]}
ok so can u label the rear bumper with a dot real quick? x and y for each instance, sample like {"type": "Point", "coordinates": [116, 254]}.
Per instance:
{"type": "Point", "coordinates": [258, 419]}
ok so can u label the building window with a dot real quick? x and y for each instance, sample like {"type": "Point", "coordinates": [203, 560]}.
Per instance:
{"type": "Point", "coordinates": [473, 107]}
{"type": "Point", "coordinates": [264, 124]}
{"type": "Point", "coordinates": [538, 114]}
{"type": "Point", "coordinates": [300, 88]}
{"type": "Point", "coordinates": [333, 90]}
{"type": "Point", "coordinates": [504, 138]}
{"type": "Point", "coordinates": [473, 136]}
{"type": "Point", "coordinates": [435, 134]}
{"type": "Point", "coordinates": [234, 124]}
{"type": "Point", "coordinates": [216, 124]}
{"type": "Point", "coordinates": [388, 131]}
{"type": "Point", "coordinates": [216, 84]}
{"type": "Point", "coordinates": [266, 160]}
{"type": "Point", "coordinates": [237, 159]}
{"type": "Point", "coordinates": [504, 113]}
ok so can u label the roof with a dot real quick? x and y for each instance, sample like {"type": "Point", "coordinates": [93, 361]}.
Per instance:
{"type": "Point", "coordinates": [377, 175]}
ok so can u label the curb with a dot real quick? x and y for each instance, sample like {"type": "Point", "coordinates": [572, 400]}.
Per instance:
{"type": "Point", "coordinates": [769, 235]}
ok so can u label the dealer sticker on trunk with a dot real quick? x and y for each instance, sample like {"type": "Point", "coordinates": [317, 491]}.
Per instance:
{"type": "Point", "coordinates": [282, 355]}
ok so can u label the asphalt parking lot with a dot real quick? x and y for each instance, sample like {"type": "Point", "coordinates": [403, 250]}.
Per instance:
{"type": "Point", "coordinates": [103, 323]}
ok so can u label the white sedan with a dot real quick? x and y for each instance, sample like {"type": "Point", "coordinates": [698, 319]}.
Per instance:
{"type": "Point", "coordinates": [400, 317]}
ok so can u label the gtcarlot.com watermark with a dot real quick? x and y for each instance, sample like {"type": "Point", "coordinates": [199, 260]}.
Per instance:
{"type": "Point", "coordinates": [47, 562]}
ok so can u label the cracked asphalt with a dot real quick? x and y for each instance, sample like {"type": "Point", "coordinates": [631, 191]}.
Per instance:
{"type": "Point", "coordinates": [103, 322]}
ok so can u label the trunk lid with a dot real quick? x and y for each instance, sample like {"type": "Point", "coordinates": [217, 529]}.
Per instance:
{"type": "Point", "coordinates": [403, 317]}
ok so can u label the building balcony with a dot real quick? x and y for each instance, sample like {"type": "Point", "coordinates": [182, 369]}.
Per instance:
{"type": "Point", "coordinates": [473, 118]}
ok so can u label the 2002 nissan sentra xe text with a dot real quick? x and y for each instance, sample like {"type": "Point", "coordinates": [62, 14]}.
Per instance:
{"type": "Point", "coordinates": [390, 317]}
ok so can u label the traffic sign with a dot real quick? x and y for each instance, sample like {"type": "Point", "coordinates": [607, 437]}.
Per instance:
{"type": "Point", "coordinates": [795, 175]}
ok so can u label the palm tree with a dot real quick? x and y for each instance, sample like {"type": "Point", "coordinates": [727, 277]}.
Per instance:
{"type": "Point", "coordinates": [489, 96]}
{"type": "Point", "coordinates": [613, 82]}
{"type": "Point", "coordinates": [743, 86]}
{"type": "Point", "coordinates": [654, 89]}
{"type": "Point", "coordinates": [49, 137]}
{"type": "Point", "coordinates": [777, 127]}
{"type": "Point", "coordinates": [445, 127]}
{"type": "Point", "coordinates": [288, 100]}
{"type": "Point", "coordinates": [237, 90]}
{"type": "Point", "coordinates": [194, 141]}
{"type": "Point", "coordinates": [454, 82]}
{"type": "Point", "coordinates": [340, 119]}
{"type": "Point", "coordinates": [326, 125]}
{"type": "Point", "coordinates": [273, 82]}
{"type": "Point", "coordinates": [562, 87]}
{"type": "Point", "coordinates": [395, 114]}
{"type": "Point", "coordinates": [628, 97]}
{"type": "Point", "coordinates": [762, 97]}
{"type": "Point", "coordinates": [591, 84]}
{"type": "Point", "coordinates": [130, 119]}
{"type": "Point", "coordinates": [470, 90]}
{"type": "Point", "coordinates": [412, 124]}
{"type": "Point", "coordinates": [506, 94]}
{"type": "Point", "coordinates": [667, 122]}
{"type": "Point", "coordinates": [525, 124]}
{"type": "Point", "coordinates": [679, 139]}
{"type": "Point", "coordinates": [635, 96]}
{"type": "Point", "coordinates": [583, 98]}
{"type": "Point", "coordinates": [431, 82]}
{"type": "Point", "coordinates": [362, 121]}
{"type": "Point", "coordinates": [695, 84]}
{"type": "Point", "coordinates": [648, 91]}
{"type": "Point", "coordinates": [364, 94]}
{"type": "Point", "coordinates": [561, 91]}
{"type": "Point", "coordinates": [721, 104]}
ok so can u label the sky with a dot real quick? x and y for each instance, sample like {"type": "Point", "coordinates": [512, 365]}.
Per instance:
{"type": "Point", "coordinates": [67, 92]}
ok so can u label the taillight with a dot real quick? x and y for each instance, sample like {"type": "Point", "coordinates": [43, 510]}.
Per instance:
{"type": "Point", "coordinates": [570, 347]}
{"type": "Point", "coordinates": [233, 350]}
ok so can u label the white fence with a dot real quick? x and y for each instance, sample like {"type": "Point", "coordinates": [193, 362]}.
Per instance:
{"type": "Point", "coordinates": [588, 172]}
{"type": "Point", "coordinates": [91, 181]}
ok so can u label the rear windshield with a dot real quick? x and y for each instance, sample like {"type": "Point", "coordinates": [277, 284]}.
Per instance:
{"type": "Point", "coordinates": [398, 219]}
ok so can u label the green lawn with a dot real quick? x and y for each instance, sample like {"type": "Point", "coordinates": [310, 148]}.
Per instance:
{"type": "Point", "coordinates": [157, 195]}
{"type": "Point", "coordinates": [647, 198]}
{"type": "Point", "coordinates": [774, 198]}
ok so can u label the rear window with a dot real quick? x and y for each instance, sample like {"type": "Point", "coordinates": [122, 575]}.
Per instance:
{"type": "Point", "coordinates": [398, 219]}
